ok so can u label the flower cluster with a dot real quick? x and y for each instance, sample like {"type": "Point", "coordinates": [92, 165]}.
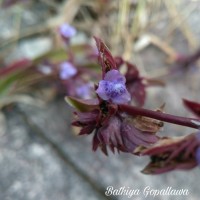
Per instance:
{"type": "Point", "coordinates": [173, 153]}
{"type": "Point", "coordinates": [117, 125]}
{"type": "Point", "coordinates": [112, 127]}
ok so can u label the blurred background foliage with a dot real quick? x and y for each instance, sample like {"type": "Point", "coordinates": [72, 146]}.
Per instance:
{"type": "Point", "coordinates": [30, 38]}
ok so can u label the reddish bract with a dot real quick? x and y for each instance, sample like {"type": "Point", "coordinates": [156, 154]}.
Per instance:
{"type": "Point", "coordinates": [171, 153]}
{"type": "Point", "coordinates": [192, 106]}
{"type": "Point", "coordinates": [105, 57]}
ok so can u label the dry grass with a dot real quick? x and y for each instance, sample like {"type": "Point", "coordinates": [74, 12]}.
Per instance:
{"type": "Point", "coordinates": [124, 25]}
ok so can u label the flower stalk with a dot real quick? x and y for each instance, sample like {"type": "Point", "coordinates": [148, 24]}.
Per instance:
{"type": "Point", "coordinates": [183, 121]}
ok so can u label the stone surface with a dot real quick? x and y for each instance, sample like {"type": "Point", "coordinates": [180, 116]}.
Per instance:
{"type": "Point", "coordinates": [31, 170]}
{"type": "Point", "coordinates": [115, 170]}
{"type": "Point", "coordinates": [30, 48]}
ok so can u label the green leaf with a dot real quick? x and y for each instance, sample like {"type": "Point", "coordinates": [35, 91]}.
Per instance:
{"type": "Point", "coordinates": [82, 105]}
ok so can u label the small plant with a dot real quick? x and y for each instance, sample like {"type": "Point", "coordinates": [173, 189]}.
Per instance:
{"type": "Point", "coordinates": [109, 101]}
{"type": "Point", "coordinates": [119, 126]}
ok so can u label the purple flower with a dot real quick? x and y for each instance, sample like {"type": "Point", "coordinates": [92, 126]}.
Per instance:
{"type": "Point", "coordinates": [111, 129]}
{"type": "Point", "coordinates": [113, 88]}
{"type": "Point", "coordinates": [67, 70]}
{"type": "Point", "coordinates": [85, 91]}
{"type": "Point", "coordinates": [67, 31]}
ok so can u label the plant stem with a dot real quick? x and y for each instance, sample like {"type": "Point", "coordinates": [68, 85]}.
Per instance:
{"type": "Point", "coordinates": [186, 61]}
{"type": "Point", "coordinates": [183, 121]}
{"type": "Point", "coordinates": [195, 56]}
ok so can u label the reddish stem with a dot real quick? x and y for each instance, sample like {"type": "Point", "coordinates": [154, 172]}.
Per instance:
{"type": "Point", "coordinates": [183, 121]}
{"type": "Point", "coordinates": [185, 60]}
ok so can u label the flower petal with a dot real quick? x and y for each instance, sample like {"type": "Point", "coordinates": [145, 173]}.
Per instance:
{"type": "Point", "coordinates": [124, 98]}
{"type": "Point", "coordinates": [114, 76]}
{"type": "Point", "coordinates": [101, 91]}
